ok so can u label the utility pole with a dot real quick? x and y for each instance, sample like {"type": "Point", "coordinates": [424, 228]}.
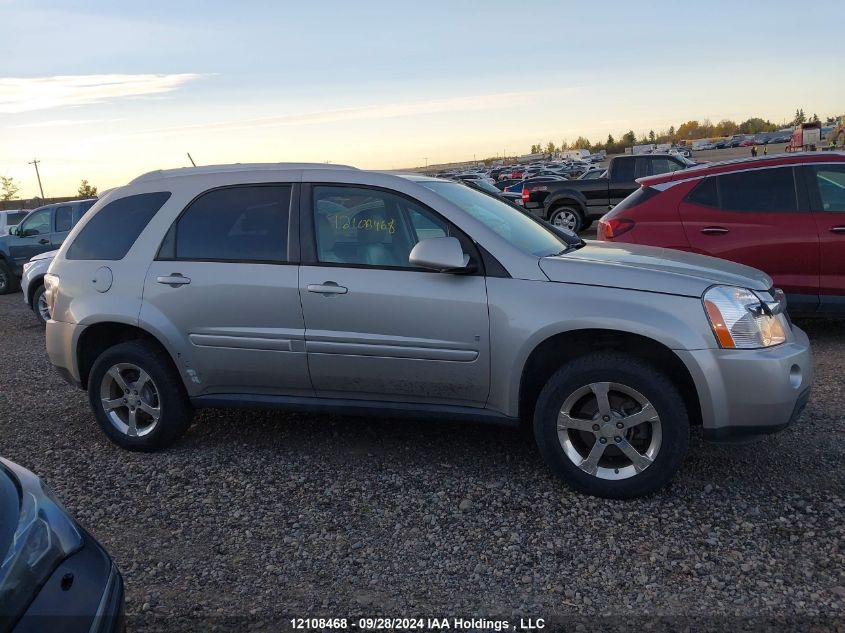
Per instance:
{"type": "Point", "coordinates": [425, 158]}
{"type": "Point", "coordinates": [35, 162]}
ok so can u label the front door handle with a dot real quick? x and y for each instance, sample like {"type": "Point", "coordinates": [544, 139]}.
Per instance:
{"type": "Point", "coordinates": [43, 240]}
{"type": "Point", "coordinates": [174, 280]}
{"type": "Point", "coordinates": [837, 229]}
{"type": "Point", "coordinates": [714, 230]}
{"type": "Point", "coordinates": [327, 288]}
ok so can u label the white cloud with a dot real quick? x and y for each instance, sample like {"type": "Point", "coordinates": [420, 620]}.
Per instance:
{"type": "Point", "coordinates": [25, 94]}
{"type": "Point", "coordinates": [62, 122]}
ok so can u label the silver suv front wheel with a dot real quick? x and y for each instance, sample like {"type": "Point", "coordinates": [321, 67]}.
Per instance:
{"type": "Point", "coordinates": [611, 425]}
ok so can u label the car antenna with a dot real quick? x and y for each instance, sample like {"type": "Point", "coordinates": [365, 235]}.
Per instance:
{"type": "Point", "coordinates": [191, 159]}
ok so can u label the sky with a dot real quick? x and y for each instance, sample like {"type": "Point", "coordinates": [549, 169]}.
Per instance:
{"type": "Point", "coordinates": [107, 90]}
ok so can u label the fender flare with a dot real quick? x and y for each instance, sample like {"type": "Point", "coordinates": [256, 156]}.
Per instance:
{"type": "Point", "coordinates": [570, 196]}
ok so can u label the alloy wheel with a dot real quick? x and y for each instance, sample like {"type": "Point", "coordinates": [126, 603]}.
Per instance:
{"type": "Point", "coordinates": [565, 220]}
{"type": "Point", "coordinates": [43, 309]}
{"type": "Point", "coordinates": [609, 430]}
{"type": "Point", "coordinates": [130, 399]}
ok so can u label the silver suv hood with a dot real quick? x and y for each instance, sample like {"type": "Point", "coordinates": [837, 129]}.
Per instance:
{"type": "Point", "coordinates": [649, 268]}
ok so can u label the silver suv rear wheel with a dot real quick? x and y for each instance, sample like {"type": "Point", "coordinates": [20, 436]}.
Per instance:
{"type": "Point", "coordinates": [130, 399]}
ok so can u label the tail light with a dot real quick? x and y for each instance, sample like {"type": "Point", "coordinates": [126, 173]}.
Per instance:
{"type": "Point", "coordinates": [526, 195]}
{"type": "Point", "coordinates": [614, 227]}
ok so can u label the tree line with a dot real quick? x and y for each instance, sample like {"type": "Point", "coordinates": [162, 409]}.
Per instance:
{"type": "Point", "coordinates": [687, 131]}
{"type": "Point", "coordinates": [9, 189]}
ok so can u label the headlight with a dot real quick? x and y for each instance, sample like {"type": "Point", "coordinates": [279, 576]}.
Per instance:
{"type": "Point", "coordinates": [742, 319]}
{"type": "Point", "coordinates": [51, 288]}
{"type": "Point", "coordinates": [44, 537]}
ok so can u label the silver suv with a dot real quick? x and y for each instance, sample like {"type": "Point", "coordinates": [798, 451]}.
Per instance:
{"type": "Point", "coordinates": [333, 289]}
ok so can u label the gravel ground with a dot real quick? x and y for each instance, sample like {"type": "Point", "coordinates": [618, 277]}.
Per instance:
{"type": "Point", "coordinates": [261, 515]}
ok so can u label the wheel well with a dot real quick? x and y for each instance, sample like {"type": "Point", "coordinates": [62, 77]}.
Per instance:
{"type": "Point", "coordinates": [34, 285]}
{"type": "Point", "coordinates": [97, 338]}
{"type": "Point", "coordinates": [565, 202]}
{"type": "Point", "coordinates": [549, 355]}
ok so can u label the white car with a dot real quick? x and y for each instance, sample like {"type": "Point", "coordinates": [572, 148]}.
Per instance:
{"type": "Point", "coordinates": [10, 218]}
{"type": "Point", "coordinates": [32, 284]}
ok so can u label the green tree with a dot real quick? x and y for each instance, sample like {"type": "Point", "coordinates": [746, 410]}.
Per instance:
{"type": "Point", "coordinates": [815, 118]}
{"type": "Point", "coordinates": [651, 136]}
{"type": "Point", "coordinates": [610, 140]}
{"type": "Point", "coordinates": [629, 138]}
{"type": "Point", "coordinates": [799, 117]}
{"type": "Point", "coordinates": [86, 191]}
{"type": "Point", "coordinates": [9, 188]}
{"type": "Point", "coordinates": [671, 132]}
{"type": "Point", "coordinates": [550, 148]}
{"type": "Point", "coordinates": [581, 143]}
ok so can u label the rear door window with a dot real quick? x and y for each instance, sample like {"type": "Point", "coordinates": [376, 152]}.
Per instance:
{"type": "Point", "coordinates": [705, 194]}
{"type": "Point", "coordinates": [759, 190]}
{"type": "Point", "coordinates": [623, 170]}
{"type": "Point", "coordinates": [236, 224]}
{"type": "Point", "coordinates": [64, 219]}
{"type": "Point", "coordinates": [113, 230]}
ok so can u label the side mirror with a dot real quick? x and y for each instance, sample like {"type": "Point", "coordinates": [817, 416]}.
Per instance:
{"type": "Point", "coordinates": [443, 254]}
{"type": "Point", "coordinates": [13, 230]}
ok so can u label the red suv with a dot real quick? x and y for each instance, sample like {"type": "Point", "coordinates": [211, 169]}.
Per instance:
{"type": "Point", "coordinates": [784, 215]}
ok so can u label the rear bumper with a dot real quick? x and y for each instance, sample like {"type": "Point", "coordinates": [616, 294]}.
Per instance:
{"type": "Point", "coordinates": [748, 393]}
{"type": "Point", "coordinates": [61, 349]}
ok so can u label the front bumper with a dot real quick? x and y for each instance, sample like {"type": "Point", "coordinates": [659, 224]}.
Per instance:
{"type": "Point", "coordinates": [83, 595]}
{"type": "Point", "coordinates": [754, 392]}
{"type": "Point", "coordinates": [61, 345]}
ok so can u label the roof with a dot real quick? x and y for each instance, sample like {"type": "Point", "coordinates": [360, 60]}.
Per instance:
{"type": "Point", "coordinates": [233, 168]}
{"type": "Point", "coordinates": [745, 163]}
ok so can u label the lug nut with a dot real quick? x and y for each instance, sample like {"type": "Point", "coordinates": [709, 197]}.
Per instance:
{"type": "Point", "coordinates": [606, 418]}
{"type": "Point", "coordinates": [602, 440]}
{"type": "Point", "coordinates": [619, 425]}
{"type": "Point", "coordinates": [617, 439]}
{"type": "Point", "coordinates": [596, 427]}
{"type": "Point", "coordinates": [125, 401]}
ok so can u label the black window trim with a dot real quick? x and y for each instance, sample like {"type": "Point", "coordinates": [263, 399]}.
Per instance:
{"type": "Point", "coordinates": [308, 236]}
{"type": "Point", "coordinates": [293, 250]}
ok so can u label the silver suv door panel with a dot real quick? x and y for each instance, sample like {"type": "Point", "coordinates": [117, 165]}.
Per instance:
{"type": "Point", "coordinates": [401, 335]}
{"type": "Point", "coordinates": [240, 323]}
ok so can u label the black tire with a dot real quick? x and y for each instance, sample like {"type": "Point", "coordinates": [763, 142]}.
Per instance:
{"type": "Point", "coordinates": [618, 368]}
{"type": "Point", "coordinates": [36, 298]}
{"type": "Point", "coordinates": [174, 406]}
{"type": "Point", "coordinates": [574, 213]}
{"type": "Point", "coordinates": [8, 281]}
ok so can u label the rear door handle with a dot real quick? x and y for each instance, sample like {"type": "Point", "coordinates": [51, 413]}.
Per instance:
{"type": "Point", "coordinates": [173, 280]}
{"type": "Point", "coordinates": [43, 240]}
{"type": "Point", "coordinates": [838, 229]}
{"type": "Point", "coordinates": [327, 288]}
{"type": "Point", "coordinates": [714, 230]}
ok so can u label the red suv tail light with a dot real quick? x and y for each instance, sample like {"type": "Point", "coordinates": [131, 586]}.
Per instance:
{"type": "Point", "coordinates": [526, 195]}
{"type": "Point", "coordinates": [614, 227]}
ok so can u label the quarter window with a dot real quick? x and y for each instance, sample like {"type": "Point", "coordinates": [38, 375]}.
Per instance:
{"type": "Point", "coordinates": [114, 228]}
{"type": "Point", "coordinates": [241, 224]}
{"type": "Point", "coordinates": [64, 219]}
{"type": "Point", "coordinates": [760, 190]}
{"type": "Point", "coordinates": [705, 194]}
{"type": "Point", "coordinates": [370, 227]}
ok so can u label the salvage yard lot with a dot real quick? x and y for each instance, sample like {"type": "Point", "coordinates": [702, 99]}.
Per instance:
{"type": "Point", "coordinates": [270, 514]}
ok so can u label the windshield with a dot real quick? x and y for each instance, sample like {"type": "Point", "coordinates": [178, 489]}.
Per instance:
{"type": "Point", "coordinates": [521, 231]}
{"type": "Point", "coordinates": [483, 184]}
